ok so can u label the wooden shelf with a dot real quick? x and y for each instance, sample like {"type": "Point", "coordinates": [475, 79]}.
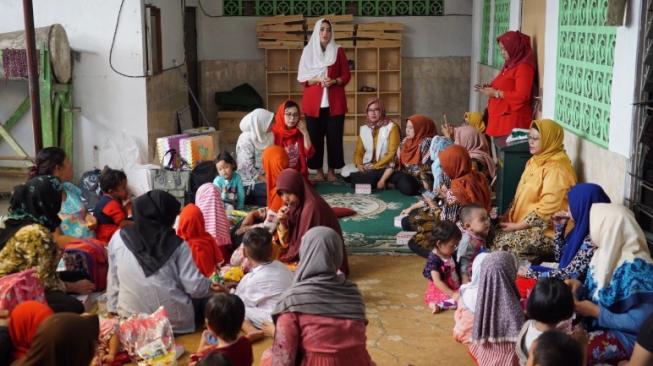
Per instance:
{"type": "Point", "coordinates": [376, 67]}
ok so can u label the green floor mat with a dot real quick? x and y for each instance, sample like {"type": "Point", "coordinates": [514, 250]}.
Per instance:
{"type": "Point", "coordinates": [372, 229]}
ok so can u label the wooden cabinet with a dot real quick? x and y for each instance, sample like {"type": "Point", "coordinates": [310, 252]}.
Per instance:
{"type": "Point", "coordinates": [376, 72]}
{"type": "Point", "coordinates": [229, 125]}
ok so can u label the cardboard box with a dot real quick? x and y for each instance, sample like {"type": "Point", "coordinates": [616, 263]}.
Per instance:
{"type": "Point", "coordinates": [404, 236]}
{"type": "Point", "coordinates": [167, 143]}
{"type": "Point", "coordinates": [363, 188]}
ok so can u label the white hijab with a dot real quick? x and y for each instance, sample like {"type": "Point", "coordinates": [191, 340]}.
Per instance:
{"type": "Point", "coordinates": [618, 239]}
{"type": "Point", "coordinates": [469, 291]}
{"type": "Point", "coordinates": [255, 126]}
{"type": "Point", "coordinates": [314, 61]}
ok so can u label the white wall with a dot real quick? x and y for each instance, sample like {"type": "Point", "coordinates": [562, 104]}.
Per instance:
{"type": "Point", "coordinates": [234, 38]}
{"type": "Point", "coordinates": [172, 31]}
{"type": "Point", "coordinates": [624, 74]}
{"type": "Point", "coordinates": [110, 103]}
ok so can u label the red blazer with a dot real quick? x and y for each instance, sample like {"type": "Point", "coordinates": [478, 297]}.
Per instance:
{"type": "Point", "coordinates": [514, 110]}
{"type": "Point", "coordinates": [337, 101]}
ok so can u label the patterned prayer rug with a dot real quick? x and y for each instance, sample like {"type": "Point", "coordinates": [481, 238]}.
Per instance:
{"type": "Point", "coordinates": [372, 229]}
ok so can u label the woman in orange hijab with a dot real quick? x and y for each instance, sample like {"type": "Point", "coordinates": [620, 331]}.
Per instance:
{"type": "Point", "coordinates": [414, 172]}
{"type": "Point", "coordinates": [275, 160]}
{"type": "Point", "coordinates": [206, 254]}
{"type": "Point", "coordinates": [467, 185]}
{"type": "Point", "coordinates": [290, 133]}
{"type": "Point", "coordinates": [24, 321]}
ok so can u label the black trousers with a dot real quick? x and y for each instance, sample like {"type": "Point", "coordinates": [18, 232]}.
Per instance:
{"type": "Point", "coordinates": [332, 128]}
{"type": "Point", "coordinates": [367, 177]}
{"type": "Point", "coordinates": [258, 195]}
{"type": "Point", "coordinates": [61, 302]}
{"type": "Point", "coordinates": [405, 183]}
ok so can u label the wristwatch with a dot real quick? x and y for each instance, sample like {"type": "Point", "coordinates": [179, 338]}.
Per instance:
{"type": "Point", "coordinates": [497, 94]}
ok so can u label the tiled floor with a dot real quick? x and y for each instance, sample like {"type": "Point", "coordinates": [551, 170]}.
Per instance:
{"type": "Point", "coordinates": [401, 329]}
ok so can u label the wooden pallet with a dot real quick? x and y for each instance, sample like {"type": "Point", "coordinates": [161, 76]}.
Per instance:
{"type": "Point", "coordinates": [281, 31]}
{"type": "Point", "coordinates": [334, 19]}
{"type": "Point", "coordinates": [281, 44]}
{"type": "Point", "coordinates": [379, 34]}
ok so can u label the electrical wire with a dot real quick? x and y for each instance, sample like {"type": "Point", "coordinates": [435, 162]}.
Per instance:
{"type": "Point", "coordinates": [113, 42]}
{"type": "Point", "coordinates": [205, 12]}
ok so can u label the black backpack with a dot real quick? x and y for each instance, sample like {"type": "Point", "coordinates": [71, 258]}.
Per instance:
{"type": "Point", "coordinates": [204, 172]}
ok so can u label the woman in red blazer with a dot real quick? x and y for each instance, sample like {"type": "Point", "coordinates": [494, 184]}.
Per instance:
{"type": "Point", "coordinates": [324, 72]}
{"type": "Point", "coordinates": [510, 93]}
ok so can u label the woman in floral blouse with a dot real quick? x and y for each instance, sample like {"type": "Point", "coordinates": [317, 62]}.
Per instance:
{"type": "Point", "coordinates": [26, 241]}
{"type": "Point", "coordinates": [256, 135]}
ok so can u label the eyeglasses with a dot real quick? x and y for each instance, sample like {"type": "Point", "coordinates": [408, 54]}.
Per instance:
{"type": "Point", "coordinates": [292, 115]}
{"type": "Point", "coordinates": [374, 110]}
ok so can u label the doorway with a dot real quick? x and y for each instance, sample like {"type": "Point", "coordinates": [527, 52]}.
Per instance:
{"type": "Point", "coordinates": [190, 46]}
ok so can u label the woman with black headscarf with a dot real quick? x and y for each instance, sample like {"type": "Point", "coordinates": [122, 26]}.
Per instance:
{"type": "Point", "coordinates": [149, 267]}
{"type": "Point", "coordinates": [26, 240]}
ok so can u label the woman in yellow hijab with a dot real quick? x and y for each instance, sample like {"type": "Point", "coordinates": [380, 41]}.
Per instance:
{"type": "Point", "coordinates": [542, 191]}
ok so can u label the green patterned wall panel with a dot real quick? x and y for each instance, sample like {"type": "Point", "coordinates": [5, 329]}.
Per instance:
{"type": "Point", "coordinates": [321, 7]}
{"type": "Point", "coordinates": [485, 32]}
{"type": "Point", "coordinates": [584, 69]}
{"type": "Point", "coordinates": [501, 25]}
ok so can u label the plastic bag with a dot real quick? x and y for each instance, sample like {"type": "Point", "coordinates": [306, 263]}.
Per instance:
{"type": "Point", "coordinates": [120, 153]}
{"type": "Point", "coordinates": [148, 339]}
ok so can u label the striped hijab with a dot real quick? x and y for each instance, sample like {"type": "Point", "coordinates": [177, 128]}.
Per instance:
{"type": "Point", "coordinates": [209, 202]}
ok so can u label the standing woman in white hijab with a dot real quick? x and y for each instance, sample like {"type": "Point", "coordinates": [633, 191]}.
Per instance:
{"type": "Point", "coordinates": [256, 136]}
{"type": "Point", "coordinates": [324, 72]}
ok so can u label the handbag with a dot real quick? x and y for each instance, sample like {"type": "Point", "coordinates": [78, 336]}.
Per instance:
{"type": "Point", "coordinates": [172, 178]}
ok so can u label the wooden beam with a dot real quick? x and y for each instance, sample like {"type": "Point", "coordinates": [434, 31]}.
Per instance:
{"type": "Point", "coordinates": [381, 26]}
{"type": "Point", "coordinates": [280, 28]}
{"type": "Point", "coordinates": [280, 44]}
{"type": "Point", "coordinates": [378, 35]}
{"type": "Point", "coordinates": [280, 36]}
{"type": "Point", "coordinates": [280, 19]}
{"type": "Point", "coordinates": [20, 112]}
{"type": "Point", "coordinates": [377, 43]}
{"type": "Point", "coordinates": [332, 18]}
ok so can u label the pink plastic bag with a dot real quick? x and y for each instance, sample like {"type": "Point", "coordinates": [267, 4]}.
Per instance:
{"type": "Point", "coordinates": [18, 287]}
{"type": "Point", "coordinates": [148, 338]}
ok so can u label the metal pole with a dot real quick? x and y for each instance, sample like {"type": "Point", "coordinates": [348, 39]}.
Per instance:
{"type": "Point", "coordinates": [33, 73]}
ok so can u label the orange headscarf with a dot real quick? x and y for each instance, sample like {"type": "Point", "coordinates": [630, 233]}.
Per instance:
{"type": "Point", "coordinates": [24, 321]}
{"type": "Point", "coordinates": [467, 185]}
{"type": "Point", "coordinates": [206, 254]}
{"type": "Point", "coordinates": [423, 127]}
{"type": "Point", "coordinates": [275, 160]}
{"type": "Point", "coordinates": [279, 129]}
